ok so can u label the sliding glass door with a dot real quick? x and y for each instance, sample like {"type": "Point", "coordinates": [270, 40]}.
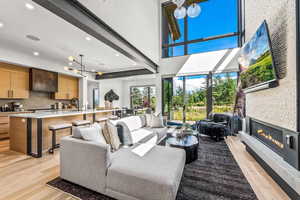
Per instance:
{"type": "Point", "coordinates": [143, 97]}
{"type": "Point", "coordinates": [195, 94]}
{"type": "Point", "coordinates": [224, 91]}
{"type": "Point", "coordinates": [192, 98]}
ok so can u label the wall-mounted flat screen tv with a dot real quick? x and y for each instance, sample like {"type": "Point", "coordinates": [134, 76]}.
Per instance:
{"type": "Point", "coordinates": [256, 60]}
{"type": "Point", "coordinates": [43, 81]}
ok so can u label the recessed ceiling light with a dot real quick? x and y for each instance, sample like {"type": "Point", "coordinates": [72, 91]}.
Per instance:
{"type": "Point", "coordinates": [117, 54]}
{"type": "Point", "coordinates": [70, 64]}
{"type": "Point", "coordinates": [36, 53]}
{"type": "Point", "coordinates": [1, 25]}
{"type": "Point", "coordinates": [32, 37]}
{"type": "Point", "coordinates": [29, 6]}
{"type": "Point", "coordinates": [88, 38]}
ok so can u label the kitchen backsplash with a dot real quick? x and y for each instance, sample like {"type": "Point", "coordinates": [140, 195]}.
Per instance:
{"type": "Point", "coordinates": [37, 100]}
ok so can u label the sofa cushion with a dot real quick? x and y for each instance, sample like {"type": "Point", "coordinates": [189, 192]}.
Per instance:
{"type": "Point", "coordinates": [141, 135]}
{"type": "Point", "coordinates": [157, 122]}
{"type": "Point", "coordinates": [125, 136]}
{"type": "Point", "coordinates": [92, 133]}
{"type": "Point", "coordinates": [155, 176]}
{"type": "Point", "coordinates": [133, 122]}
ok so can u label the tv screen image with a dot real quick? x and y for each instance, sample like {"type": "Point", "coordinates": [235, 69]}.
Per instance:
{"type": "Point", "coordinates": [256, 60]}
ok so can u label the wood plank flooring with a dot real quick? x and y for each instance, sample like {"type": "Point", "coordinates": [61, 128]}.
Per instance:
{"type": "Point", "coordinates": [24, 178]}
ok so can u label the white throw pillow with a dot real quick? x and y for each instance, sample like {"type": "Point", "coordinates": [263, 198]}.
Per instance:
{"type": "Point", "coordinates": [92, 133]}
{"type": "Point", "coordinates": [114, 137]}
{"type": "Point", "coordinates": [157, 122]}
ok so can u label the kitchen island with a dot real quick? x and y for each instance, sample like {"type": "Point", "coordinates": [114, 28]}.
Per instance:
{"type": "Point", "coordinates": [29, 133]}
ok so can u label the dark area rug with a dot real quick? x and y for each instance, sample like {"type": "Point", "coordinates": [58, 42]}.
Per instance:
{"type": "Point", "coordinates": [214, 176]}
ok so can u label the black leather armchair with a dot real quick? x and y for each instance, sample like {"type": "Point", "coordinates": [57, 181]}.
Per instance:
{"type": "Point", "coordinates": [217, 126]}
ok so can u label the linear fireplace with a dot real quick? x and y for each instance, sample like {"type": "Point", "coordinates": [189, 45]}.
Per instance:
{"type": "Point", "coordinates": [282, 141]}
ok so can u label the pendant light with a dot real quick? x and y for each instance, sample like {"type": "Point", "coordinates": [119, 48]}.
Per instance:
{"type": "Point", "coordinates": [194, 10]}
{"type": "Point", "coordinates": [180, 12]}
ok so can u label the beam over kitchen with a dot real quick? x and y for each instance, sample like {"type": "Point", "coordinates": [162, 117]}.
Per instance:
{"type": "Point", "coordinates": [78, 15]}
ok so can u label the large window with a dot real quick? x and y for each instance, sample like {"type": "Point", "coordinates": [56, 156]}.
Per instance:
{"type": "Point", "coordinates": [224, 92]}
{"type": "Point", "coordinates": [186, 98]}
{"type": "Point", "coordinates": [216, 28]}
{"type": "Point", "coordinates": [143, 97]}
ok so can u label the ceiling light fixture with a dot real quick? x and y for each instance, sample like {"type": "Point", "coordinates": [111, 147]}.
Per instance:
{"type": "Point", "coordinates": [36, 53]}
{"type": "Point", "coordinates": [70, 63]}
{"type": "Point", "coordinates": [1, 25]}
{"type": "Point", "coordinates": [82, 70]}
{"type": "Point", "coordinates": [29, 6]}
{"type": "Point", "coordinates": [71, 58]}
{"type": "Point", "coordinates": [32, 37]}
{"type": "Point", "coordinates": [88, 38]}
{"type": "Point", "coordinates": [117, 54]}
{"type": "Point", "coordinates": [181, 12]}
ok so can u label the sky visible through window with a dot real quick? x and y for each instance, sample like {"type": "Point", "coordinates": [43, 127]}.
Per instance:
{"type": "Point", "coordinates": [218, 17]}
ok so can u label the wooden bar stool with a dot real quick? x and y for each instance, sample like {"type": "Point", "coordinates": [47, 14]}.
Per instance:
{"type": "Point", "coordinates": [81, 123]}
{"type": "Point", "coordinates": [53, 128]}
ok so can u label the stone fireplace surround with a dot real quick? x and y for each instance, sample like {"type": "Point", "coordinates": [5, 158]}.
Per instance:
{"type": "Point", "coordinates": [268, 144]}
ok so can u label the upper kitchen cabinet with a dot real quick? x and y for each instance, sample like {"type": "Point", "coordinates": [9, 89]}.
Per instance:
{"type": "Point", "coordinates": [67, 87]}
{"type": "Point", "coordinates": [14, 82]}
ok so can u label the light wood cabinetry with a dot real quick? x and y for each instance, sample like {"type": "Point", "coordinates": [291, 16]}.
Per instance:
{"type": "Point", "coordinates": [14, 82]}
{"type": "Point", "coordinates": [67, 87]}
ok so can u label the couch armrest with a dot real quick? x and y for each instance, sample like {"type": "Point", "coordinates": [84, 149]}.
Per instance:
{"type": "Point", "coordinates": [84, 162]}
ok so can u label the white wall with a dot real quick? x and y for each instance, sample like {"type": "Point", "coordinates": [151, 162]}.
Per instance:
{"type": "Point", "coordinates": [136, 20]}
{"type": "Point", "coordinates": [116, 85]}
{"type": "Point", "coordinates": [278, 105]}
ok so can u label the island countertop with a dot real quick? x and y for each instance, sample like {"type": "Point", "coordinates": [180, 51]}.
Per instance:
{"type": "Point", "coordinates": [51, 114]}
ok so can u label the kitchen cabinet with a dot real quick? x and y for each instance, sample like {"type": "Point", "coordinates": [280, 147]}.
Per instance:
{"type": "Point", "coordinates": [14, 82]}
{"type": "Point", "coordinates": [67, 87]}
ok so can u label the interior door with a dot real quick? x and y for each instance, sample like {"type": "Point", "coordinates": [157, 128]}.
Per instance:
{"type": "Point", "coordinates": [20, 85]}
{"type": "Point", "coordinates": [4, 84]}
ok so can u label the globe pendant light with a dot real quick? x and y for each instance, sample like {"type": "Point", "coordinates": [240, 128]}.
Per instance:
{"type": "Point", "coordinates": [180, 13]}
{"type": "Point", "coordinates": [179, 3]}
{"type": "Point", "coordinates": [194, 10]}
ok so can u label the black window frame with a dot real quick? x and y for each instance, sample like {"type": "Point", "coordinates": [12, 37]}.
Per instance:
{"type": "Point", "coordinates": [240, 32]}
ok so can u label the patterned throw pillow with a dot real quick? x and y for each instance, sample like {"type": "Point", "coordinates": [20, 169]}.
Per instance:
{"type": "Point", "coordinates": [114, 137]}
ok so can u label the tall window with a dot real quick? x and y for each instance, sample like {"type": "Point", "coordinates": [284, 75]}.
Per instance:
{"type": "Point", "coordinates": [216, 28]}
{"type": "Point", "coordinates": [224, 92]}
{"type": "Point", "coordinates": [143, 97]}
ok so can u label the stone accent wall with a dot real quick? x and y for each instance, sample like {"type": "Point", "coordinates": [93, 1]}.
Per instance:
{"type": "Point", "coordinates": [278, 105]}
{"type": "Point", "coordinates": [37, 100]}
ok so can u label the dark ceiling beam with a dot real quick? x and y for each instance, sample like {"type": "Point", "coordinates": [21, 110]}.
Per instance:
{"type": "Point", "coordinates": [123, 74]}
{"type": "Point", "coordinates": [78, 15]}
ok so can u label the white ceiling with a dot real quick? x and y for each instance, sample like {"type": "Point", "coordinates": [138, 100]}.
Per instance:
{"type": "Point", "coordinates": [58, 40]}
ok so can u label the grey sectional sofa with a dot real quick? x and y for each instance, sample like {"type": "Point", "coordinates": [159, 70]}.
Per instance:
{"type": "Point", "coordinates": [122, 175]}
{"type": "Point", "coordinates": [137, 129]}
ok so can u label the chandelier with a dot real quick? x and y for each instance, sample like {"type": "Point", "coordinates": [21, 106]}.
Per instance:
{"type": "Point", "coordinates": [180, 12]}
{"type": "Point", "coordinates": [82, 68]}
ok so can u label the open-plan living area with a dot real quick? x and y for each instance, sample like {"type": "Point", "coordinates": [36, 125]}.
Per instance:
{"type": "Point", "coordinates": [149, 100]}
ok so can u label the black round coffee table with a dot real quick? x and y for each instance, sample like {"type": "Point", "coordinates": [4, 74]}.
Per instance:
{"type": "Point", "coordinates": [189, 143]}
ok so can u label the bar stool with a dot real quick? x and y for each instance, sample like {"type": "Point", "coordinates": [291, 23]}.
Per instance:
{"type": "Point", "coordinates": [81, 123]}
{"type": "Point", "coordinates": [53, 128]}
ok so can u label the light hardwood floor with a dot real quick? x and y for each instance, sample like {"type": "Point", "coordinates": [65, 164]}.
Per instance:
{"type": "Point", "coordinates": [24, 178]}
